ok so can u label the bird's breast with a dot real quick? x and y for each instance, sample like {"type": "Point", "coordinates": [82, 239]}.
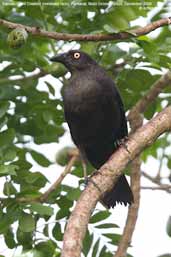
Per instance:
{"type": "Point", "coordinates": [81, 100]}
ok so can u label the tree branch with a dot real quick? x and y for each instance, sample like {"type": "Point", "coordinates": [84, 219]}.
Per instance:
{"type": "Point", "coordinates": [41, 73]}
{"type": "Point", "coordinates": [107, 176]}
{"type": "Point", "coordinates": [150, 96]}
{"type": "Point", "coordinates": [135, 186]}
{"type": "Point", "coordinates": [89, 37]}
{"type": "Point", "coordinates": [165, 187]}
{"type": "Point", "coordinates": [136, 121]}
{"type": "Point", "coordinates": [43, 198]}
{"type": "Point", "coordinates": [133, 210]}
{"type": "Point", "coordinates": [66, 171]}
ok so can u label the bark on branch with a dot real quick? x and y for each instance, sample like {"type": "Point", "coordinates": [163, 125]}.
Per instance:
{"type": "Point", "coordinates": [107, 176]}
{"type": "Point", "coordinates": [89, 37]}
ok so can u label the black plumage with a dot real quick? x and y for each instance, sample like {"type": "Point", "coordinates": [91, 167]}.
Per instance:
{"type": "Point", "coordinates": [95, 114]}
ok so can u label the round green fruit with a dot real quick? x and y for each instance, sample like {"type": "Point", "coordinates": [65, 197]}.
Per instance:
{"type": "Point", "coordinates": [17, 37]}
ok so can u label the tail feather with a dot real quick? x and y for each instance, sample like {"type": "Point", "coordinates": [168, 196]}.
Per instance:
{"type": "Point", "coordinates": [120, 193]}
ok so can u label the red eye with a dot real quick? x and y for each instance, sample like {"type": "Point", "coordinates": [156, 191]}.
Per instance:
{"type": "Point", "coordinates": [77, 55]}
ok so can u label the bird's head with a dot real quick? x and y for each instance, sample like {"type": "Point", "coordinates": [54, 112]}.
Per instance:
{"type": "Point", "coordinates": [74, 60]}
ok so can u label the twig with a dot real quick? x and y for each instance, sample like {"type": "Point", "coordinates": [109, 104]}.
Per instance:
{"type": "Point", "coordinates": [89, 37]}
{"type": "Point", "coordinates": [166, 188]}
{"type": "Point", "coordinates": [156, 181]}
{"type": "Point", "coordinates": [106, 177]}
{"type": "Point", "coordinates": [24, 78]}
{"type": "Point", "coordinates": [158, 176]}
{"type": "Point", "coordinates": [53, 187]}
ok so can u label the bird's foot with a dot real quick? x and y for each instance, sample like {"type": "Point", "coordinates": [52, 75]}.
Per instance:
{"type": "Point", "coordinates": [122, 142]}
{"type": "Point", "coordinates": [89, 179]}
{"type": "Point", "coordinates": [94, 173]}
{"type": "Point", "coordinates": [86, 180]}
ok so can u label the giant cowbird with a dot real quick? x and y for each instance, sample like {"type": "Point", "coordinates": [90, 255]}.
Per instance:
{"type": "Point", "coordinates": [95, 115]}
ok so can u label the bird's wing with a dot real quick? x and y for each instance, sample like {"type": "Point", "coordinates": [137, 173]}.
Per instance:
{"type": "Point", "coordinates": [114, 108]}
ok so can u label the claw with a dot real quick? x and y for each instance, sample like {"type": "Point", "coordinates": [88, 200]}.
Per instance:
{"type": "Point", "coordinates": [89, 179]}
{"type": "Point", "coordinates": [122, 142]}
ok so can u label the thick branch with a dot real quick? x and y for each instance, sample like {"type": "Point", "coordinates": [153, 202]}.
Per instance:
{"type": "Point", "coordinates": [89, 37]}
{"type": "Point", "coordinates": [106, 177]}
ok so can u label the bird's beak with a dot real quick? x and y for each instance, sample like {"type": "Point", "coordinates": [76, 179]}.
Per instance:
{"type": "Point", "coordinates": [58, 58]}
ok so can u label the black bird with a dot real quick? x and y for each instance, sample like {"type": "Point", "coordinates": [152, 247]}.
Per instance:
{"type": "Point", "coordinates": [95, 114]}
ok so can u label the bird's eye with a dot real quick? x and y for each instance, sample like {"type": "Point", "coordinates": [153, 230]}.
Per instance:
{"type": "Point", "coordinates": [77, 55]}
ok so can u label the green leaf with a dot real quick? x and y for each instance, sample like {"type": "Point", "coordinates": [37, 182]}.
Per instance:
{"type": "Point", "coordinates": [95, 248]}
{"type": "Point", "coordinates": [9, 239]}
{"type": "Point", "coordinates": [64, 202]}
{"type": "Point", "coordinates": [27, 223]}
{"type": "Point", "coordinates": [33, 253]}
{"type": "Point", "coordinates": [57, 70]}
{"type": "Point", "coordinates": [105, 253]}
{"type": "Point", "coordinates": [7, 137]}
{"type": "Point", "coordinates": [47, 248]}
{"type": "Point", "coordinates": [51, 88]}
{"type": "Point", "coordinates": [74, 194]}
{"type": "Point", "coordinates": [168, 226]}
{"type": "Point", "coordinates": [107, 225]}
{"type": "Point", "coordinates": [62, 213]}
{"type": "Point", "coordinates": [9, 189]}
{"type": "Point", "coordinates": [99, 216]}
{"type": "Point", "coordinates": [47, 116]}
{"type": "Point", "coordinates": [25, 239]}
{"type": "Point", "coordinates": [10, 155]}
{"type": "Point", "coordinates": [56, 232]}
{"type": "Point", "coordinates": [29, 194]}
{"type": "Point", "coordinates": [8, 169]}
{"type": "Point", "coordinates": [40, 158]}
{"type": "Point", "coordinates": [3, 121]}
{"type": "Point", "coordinates": [109, 28]}
{"type": "Point", "coordinates": [41, 209]}
{"type": "Point", "coordinates": [37, 179]}
{"type": "Point", "coordinates": [87, 243]}
{"type": "Point", "coordinates": [114, 237]}
{"type": "Point", "coordinates": [46, 230]}
{"type": "Point", "coordinates": [3, 108]}
{"type": "Point", "coordinates": [5, 223]}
